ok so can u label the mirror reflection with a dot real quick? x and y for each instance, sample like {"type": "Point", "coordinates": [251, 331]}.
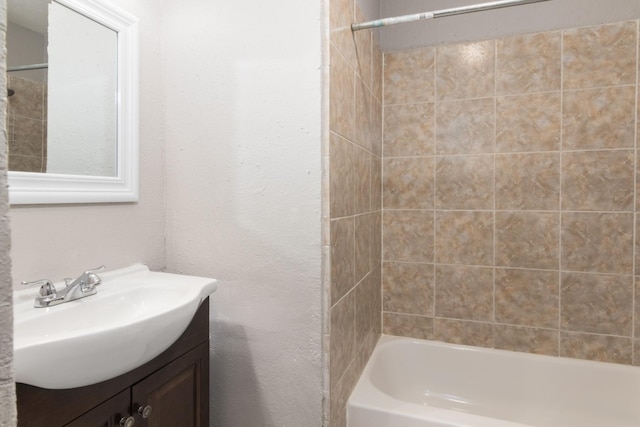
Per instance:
{"type": "Point", "coordinates": [62, 86]}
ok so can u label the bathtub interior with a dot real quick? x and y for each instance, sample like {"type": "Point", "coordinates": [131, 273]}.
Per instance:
{"type": "Point", "coordinates": [530, 390]}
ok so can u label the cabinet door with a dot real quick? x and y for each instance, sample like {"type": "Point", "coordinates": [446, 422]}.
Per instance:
{"type": "Point", "coordinates": [108, 414]}
{"type": "Point", "coordinates": [178, 394]}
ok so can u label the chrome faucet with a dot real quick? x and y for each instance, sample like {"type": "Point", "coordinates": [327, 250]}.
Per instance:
{"type": "Point", "coordinates": [83, 286]}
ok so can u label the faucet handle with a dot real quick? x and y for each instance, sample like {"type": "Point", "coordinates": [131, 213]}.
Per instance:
{"type": "Point", "coordinates": [46, 287]}
{"type": "Point", "coordinates": [92, 278]}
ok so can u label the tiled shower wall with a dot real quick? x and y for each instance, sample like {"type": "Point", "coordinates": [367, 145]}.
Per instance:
{"type": "Point", "coordinates": [27, 125]}
{"type": "Point", "coordinates": [509, 193]}
{"type": "Point", "coordinates": [355, 211]}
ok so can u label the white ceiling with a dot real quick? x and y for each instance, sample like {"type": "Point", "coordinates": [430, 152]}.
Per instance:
{"type": "Point", "coordinates": [31, 14]}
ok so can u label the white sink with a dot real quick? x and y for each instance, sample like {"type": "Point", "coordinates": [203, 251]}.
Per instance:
{"type": "Point", "coordinates": [135, 316]}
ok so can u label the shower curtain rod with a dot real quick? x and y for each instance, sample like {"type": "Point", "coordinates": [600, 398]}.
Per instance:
{"type": "Point", "coordinates": [441, 13]}
{"type": "Point", "coordinates": [27, 67]}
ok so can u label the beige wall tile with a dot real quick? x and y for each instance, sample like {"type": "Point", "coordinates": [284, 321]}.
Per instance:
{"type": "Point", "coordinates": [599, 118]}
{"type": "Point", "coordinates": [10, 122]}
{"type": "Point", "coordinates": [376, 72]}
{"type": "Point", "coordinates": [365, 351]}
{"type": "Point", "coordinates": [498, 157]}
{"type": "Point", "coordinates": [363, 115]}
{"type": "Point", "coordinates": [465, 70]}
{"type": "Point", "coordinates": [408, 183]}
{"type": "Point", "coordinates": [409, 76]}
{"type": "Point", "coordinates": [636, 352]}
{"type": "Point", "coordinates": [528, 63]}
{"type": "Point", "coordinates": [408, 236]}
{"type": "Point", "coordinates": [354, 173]}
{"type": "Point", "coordinates": [342, 348]}
{"type": "Point", "coordinates": [341, 176]}
{"type": "Point", "coordinates": [597, 303]}
{"type": "Point", "coordinates": [343, 40]}
{"type": "Point", "coordinates": [464, 292]}
{"type": "Point", "coordinates": [408, 288]}
{"type": "Point", "coordinates": [528, 122]}
{"type": "Point", "coordinates": [363, 243]}
{"type": "Point", "coordinates": [362, 196]}
{"type": "Point", "coordinates": [368, 311]}
{"type": "Point", "coordinates": [637, 187]}
{"type": "Point", "coordinates": [408, 326]}
{"type": "Point", "coordinates": [376, 183]}
{"type": "Point", "coordinates": [44, 141]}
{"type": "Point", "coordinates": [527, 297]}
{"type": "Point", "coordinates": [342, 257]}
{"type": "Point", "coordinates": [465, 127]}
{"type": "Point", "coordinates": [597, 242]}
{"type": "Point", "coordinates": [600, 56]}
{"type": "Point", "coordinates": [528, 181]}
{"type": "Point", "coordinates": [408, 130]}
{"type": "Point", "coordinates": [528, 340]}
{"type": "Point", "coordinates": [376, 251]}
{"type": "Point", "coordinates": [527, 239]}
{"type": "Point", "coordinates": [463, 332]}
{"type": "Point", "coordinates": [340, 393]}
{"type": "Point", "coordinates": [341, 14]}
{"type": "Point", "coordinates": [464, 182]}
{"type": "Point", "coordinates": [598, 180]}
{"type": "Point", "coordinates": [26, 163]}
{"type": "Point", "coordinates": [342, 96]}
{"type": "Point", "coordinates": [636, 308]}
{"type": "Point", "coordinates": [603, 348]}
{"type": "Point", "coordinates": [363, 50]}
{"type": "Point", "coordinates": [28, 101]}
{"type": "Point", "coordinates": [637, 247]}
{"type": "Point", "coordinates": [376, 127]}
{"type": "Point", "coordinates": [28, 137]}
{"type": "Point", "coordinates": [464, 237]}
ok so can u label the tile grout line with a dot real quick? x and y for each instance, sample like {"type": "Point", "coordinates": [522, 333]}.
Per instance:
{"type": "Point", "coordinates": [511, 95]}
{"type": "Point", "coordinates": [495, 136]}
{"type": "Point", "coordinates": [354, 112]}
{"type": "Point", "coordinates": [382, 211]}
{"type": "Point", "coordinates": [635, 204]}
{"type": "Point", "coordinates": [508, 153]}
{"type": "Point", "coordinates": [435, 187]}
{"type": "Point", "coordinates": [560, 212]}
{"type": "Point", "coordinates": [578, 212]}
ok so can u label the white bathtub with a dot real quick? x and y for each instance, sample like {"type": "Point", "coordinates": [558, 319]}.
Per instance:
{"type": "Point", "coordinates": [417, 383]}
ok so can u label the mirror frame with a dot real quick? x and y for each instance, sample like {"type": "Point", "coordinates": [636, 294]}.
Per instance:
{"type": "Point", "coordinates": [43, 188]}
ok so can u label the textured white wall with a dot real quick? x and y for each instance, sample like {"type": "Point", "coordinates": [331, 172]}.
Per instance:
{"type": "Point", "coordinates": [62, 241]}
{"type": "Point", "coordinates": [551, 15]}
{"type": "Point", "coordinates": [243, 92]}
{"type": "Point", "coordinates": [7, 390]}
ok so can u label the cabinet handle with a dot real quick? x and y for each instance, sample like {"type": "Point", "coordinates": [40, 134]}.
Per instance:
{"type": "Point", "coordinates": [145, 411]}
{"type": "Point", "coordinates": [127, 421]}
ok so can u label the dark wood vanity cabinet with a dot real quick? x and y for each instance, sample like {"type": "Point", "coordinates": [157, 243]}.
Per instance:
{"type": "Point", "coordinates": [108, 414]}
{"type": "Point", "coordinates": [175, 392]}
{"type": "Point", "coordinates": [175, 385]}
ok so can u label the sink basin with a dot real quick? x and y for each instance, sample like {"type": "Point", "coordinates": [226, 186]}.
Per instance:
{"type": "Point", "coordinates": [135, 316]}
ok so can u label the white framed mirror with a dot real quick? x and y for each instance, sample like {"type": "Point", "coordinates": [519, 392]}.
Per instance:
{"type": "Point", "coordinates": [76, 139]}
